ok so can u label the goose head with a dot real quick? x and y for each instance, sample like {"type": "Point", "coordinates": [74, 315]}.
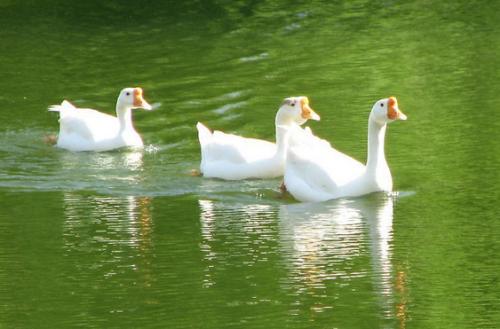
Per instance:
{"type": "Point", "coordinates": [296, 110]}
{"type": "Point", "coordinates": [386, 111]}
{"type": "Point", "coordinates": [131, 98]}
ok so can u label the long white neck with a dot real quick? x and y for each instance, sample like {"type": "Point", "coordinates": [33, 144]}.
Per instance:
{"type": "Point", "coordinates": [283, 125]}
{"type": "Point", "coordinates": [376, 155]}
{"type": "Point", "coordinates": [282, 136]}
{"type": "Point", "coordinates": [124, 114]}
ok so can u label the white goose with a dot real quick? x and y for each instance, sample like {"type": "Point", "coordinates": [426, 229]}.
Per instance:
{"type": "Point", "coordinates": [316, 172]}
{"type": "Point", "coordinates": [232, 157]}
{"type": "Point", "coordinates": [90, 130]}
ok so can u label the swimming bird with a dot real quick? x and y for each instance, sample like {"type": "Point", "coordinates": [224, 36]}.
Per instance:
{"type": "Point", "coordinates": [315, 171]}
{"type": "Point", "coordinates": [233, 157]}
{"type": "Point", "coordinates": [91, 130]}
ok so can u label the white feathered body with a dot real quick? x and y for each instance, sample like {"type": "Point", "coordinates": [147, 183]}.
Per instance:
{"type": "Point", "coordinates": [314, 169]}
{"type": "Point", "coordinates": [310, 180]}
{"type": "Point", "coordinates": [90, 130]}
{"type": "Point", "coordinates": [315, 172]}
{"type": "Point", "coordinates": [233, 157]}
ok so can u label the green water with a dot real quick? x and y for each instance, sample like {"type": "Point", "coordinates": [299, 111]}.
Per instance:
{"type": "Point", "coordinates": [128, 239]}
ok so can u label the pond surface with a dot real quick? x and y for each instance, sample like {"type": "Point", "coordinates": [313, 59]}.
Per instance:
{"type": "Point", "coordinates": [129, 239]}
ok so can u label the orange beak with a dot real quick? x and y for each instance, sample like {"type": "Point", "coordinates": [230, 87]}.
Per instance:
{"type": "Point", "coordinates": [393, 111]}
{"type": "Point", "coordinates": [306, 111]}
{"type": "Point", "coordinates": [139, 100]}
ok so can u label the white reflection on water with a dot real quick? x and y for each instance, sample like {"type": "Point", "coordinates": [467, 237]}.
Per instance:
{"type": "Point", "coordinates": [208, 225]}
{"type": "Point", "coordinates": [325, 248]}
{"type": "Point", "coordinates": [323, 240]}
{"type": "Point", "coordinates": [109, 236]}
{"type": "Point", "coordinates": [315, 235]}
{"type": "Point", "coordinates": [117, 171]}
{"type": "Point", "coordinates": [244, 226]}
{"type": "Point", "coordinates": [130, 160]}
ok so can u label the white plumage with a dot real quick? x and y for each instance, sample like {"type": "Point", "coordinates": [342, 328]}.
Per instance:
{"type": "Point", "coordinates": [91, 130]}
{"type": "Point", "coordinates": [315, 171]}
{"type": "Point", "coordinates": [233, 157]}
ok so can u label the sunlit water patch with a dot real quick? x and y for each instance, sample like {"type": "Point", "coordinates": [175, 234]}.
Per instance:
{"type": "Point", "coordinates": [30, 164]}
{"type": "Point", "coordinates": [324, 242]}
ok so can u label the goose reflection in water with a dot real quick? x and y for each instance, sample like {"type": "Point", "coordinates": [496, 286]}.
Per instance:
{"type": "Point", "coordinates": [246, 228]}
{"type": "Point", "coordinates": [117, 171]}
{"type": "Point", "coordinates": [109, 237]}
{"type": "Point", "coordinates": [322, 241]}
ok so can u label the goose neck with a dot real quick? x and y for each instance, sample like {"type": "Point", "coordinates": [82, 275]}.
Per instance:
{"type": "Point", "coordinates": [376, 139]}
{"type": "Point", "coordinates": [124, 114]}
{"type": "Point", "coordinates": [282, 134]}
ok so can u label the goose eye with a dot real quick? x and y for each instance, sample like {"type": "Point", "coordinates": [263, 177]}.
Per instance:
{"type": "Point", "coordinates": [128, 94]}
{"type": "Point", "coordinates": [381, 104]}
{"type": "Point", "coordinates": [292, 104]}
